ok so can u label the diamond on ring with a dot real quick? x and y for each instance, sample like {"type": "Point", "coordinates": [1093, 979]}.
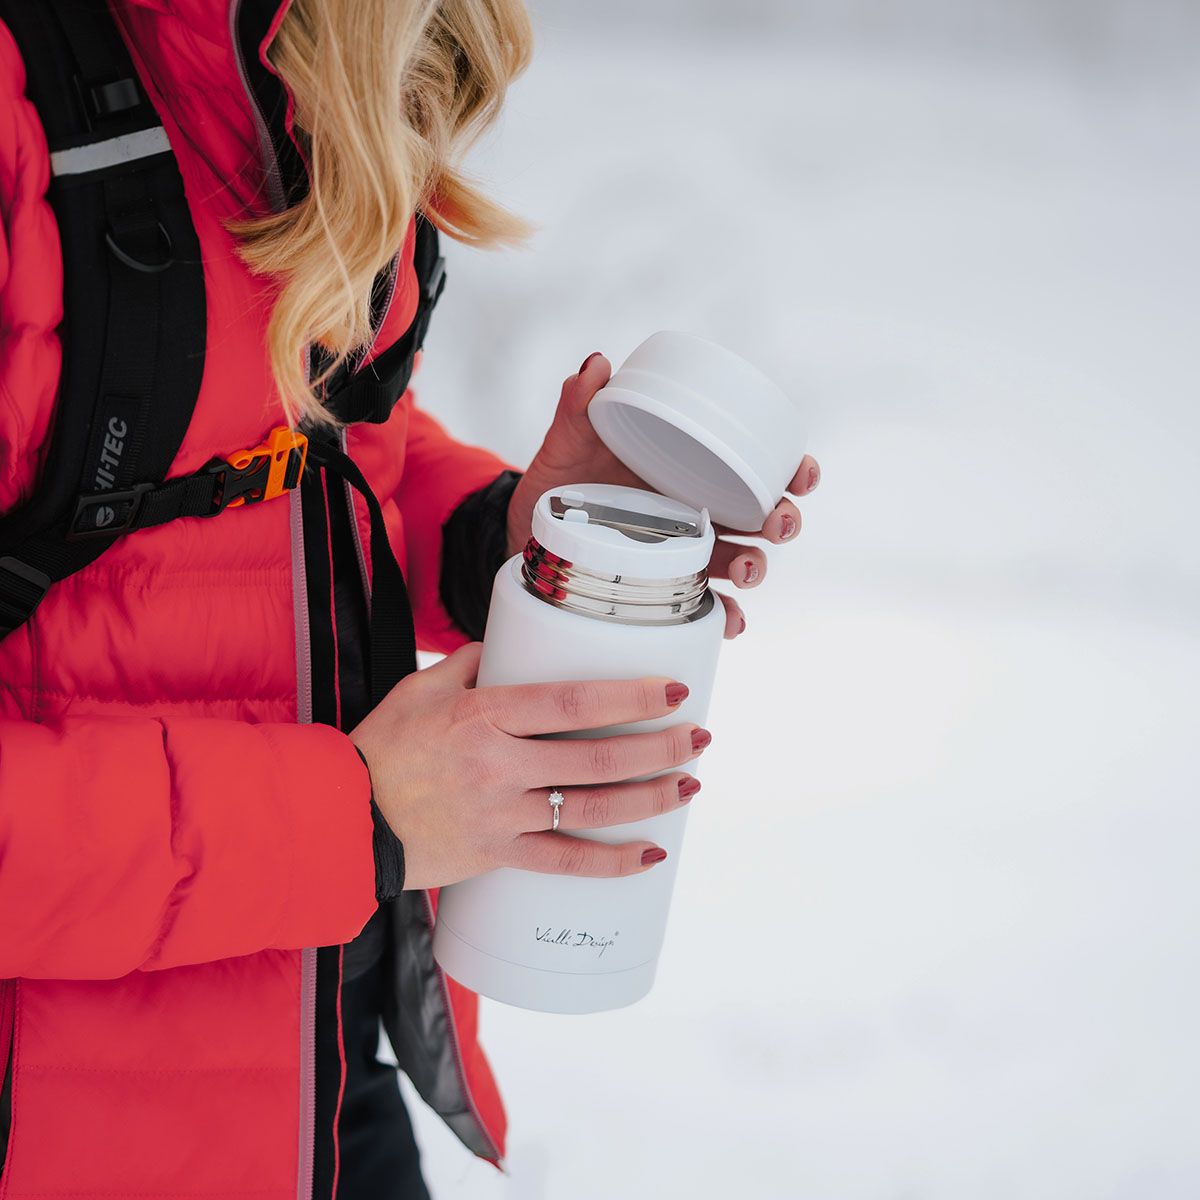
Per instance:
{"type": "Point", "coordinates": [556, 803]}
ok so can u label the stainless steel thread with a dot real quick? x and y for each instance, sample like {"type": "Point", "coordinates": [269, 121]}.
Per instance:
{"type": "Point", "coordinates": [614, 598]}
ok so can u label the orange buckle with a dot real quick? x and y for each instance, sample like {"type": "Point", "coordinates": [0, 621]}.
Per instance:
{"type": "Point", "coordinates": [266, 471]}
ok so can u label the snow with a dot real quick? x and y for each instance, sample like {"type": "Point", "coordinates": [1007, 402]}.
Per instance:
{"type": "Point", "coordinates": [934, 931]}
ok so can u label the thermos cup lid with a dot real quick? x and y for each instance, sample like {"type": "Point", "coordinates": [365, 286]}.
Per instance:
{"type": "Point", "coordinates": [701, 425]}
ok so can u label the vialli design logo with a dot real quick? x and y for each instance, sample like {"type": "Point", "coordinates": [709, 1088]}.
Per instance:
{"type": "Point", "coordinates": [573, 939]}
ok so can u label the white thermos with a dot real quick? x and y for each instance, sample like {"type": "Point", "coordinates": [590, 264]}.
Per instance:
{"type": "Point", "coordinates": [613, 585]}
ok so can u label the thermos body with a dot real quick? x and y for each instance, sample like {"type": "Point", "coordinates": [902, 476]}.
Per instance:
{"type": "Point", "coordinates": [561, 943]}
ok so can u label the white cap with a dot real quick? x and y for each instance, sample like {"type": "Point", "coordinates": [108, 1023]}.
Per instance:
{"type": "Point", "coordinates": [702, 425]}
{"type": "Point", "coordinates": [573, 535]}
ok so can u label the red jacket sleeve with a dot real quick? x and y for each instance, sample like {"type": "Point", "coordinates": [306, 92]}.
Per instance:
{"type": "Point", "coordinates": [135, 843]}
{"type": "Point", "coordinates": [439, 474]}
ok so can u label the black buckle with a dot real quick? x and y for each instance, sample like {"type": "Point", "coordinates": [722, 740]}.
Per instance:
{"type": "Point", "coordinates": [103, 514]}
{"type": "Point", "coordinates": [103, 99]}
{"type": "Point", "coordinates": [247, 485]}
{"type": "Point", "coordinates": [22, 588]}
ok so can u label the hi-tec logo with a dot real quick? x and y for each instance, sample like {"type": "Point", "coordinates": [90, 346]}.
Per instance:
{"type": "Point", "coordinates": [110, 461]}
{"type": "Point", "coordinates": [105, 516]}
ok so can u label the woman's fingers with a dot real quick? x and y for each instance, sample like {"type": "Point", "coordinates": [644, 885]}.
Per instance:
{"type": "Point", "coordinates": [532, 708]}
{"type": "Point", "coordinates": [783, 524]}
{"type": "Point", "coordinates": [743, 566]}
{"type": "Point", "coordinates": [570, 761]}
{"type": "Point", "coordinates": [458, 668]}
{"type": "Point", "coordinates": [595, 371]}
{"type": "Point", "coordinates": [735, 619]}
{"type": "Point", "coordinates": [608, 804]}
{"type": "Point", "coordinates": [578, 389]}
{"type": "Point", "coordinates": [554, 854]}
{"type": "Point", "coordinates": [807, 476]}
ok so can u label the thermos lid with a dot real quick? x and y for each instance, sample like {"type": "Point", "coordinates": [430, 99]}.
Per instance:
{"type": "Point", "coordinates": [701, 425]}
{"type": "Point", "coordinates": [623, 532]}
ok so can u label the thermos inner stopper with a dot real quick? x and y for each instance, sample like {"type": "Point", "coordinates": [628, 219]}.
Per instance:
{"type": "Point", "coordinates": [642, 527]}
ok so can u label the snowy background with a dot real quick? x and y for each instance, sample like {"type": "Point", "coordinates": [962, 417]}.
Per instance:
{"type": "Point", "coordinates": [935, 933]}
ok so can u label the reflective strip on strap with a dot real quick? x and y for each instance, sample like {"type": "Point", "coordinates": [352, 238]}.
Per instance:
{"type": "Point", "coordinates": [111, 152]}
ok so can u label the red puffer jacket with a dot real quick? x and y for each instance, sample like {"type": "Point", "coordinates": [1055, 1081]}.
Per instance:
{"type": "Point", "coordinates": [175, 834]}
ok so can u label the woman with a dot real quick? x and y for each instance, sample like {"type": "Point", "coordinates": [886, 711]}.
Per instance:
{"type": "Point", "coordinates": [195, 789]}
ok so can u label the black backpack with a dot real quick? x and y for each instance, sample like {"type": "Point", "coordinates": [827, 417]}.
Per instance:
{"type": "Point", "coordinates": [134, 340]}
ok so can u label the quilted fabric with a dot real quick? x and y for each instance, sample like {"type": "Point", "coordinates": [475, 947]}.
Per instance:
{"type": "Point", "coordinates": [170, 837]}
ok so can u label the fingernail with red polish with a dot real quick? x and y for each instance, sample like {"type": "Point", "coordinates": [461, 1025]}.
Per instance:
{"type": "Point", "coordinates": [688, 787]}
{"type": "Point", "coordinates": [653, 856]}
{"type": "Point", "coordinates": [742, 627]}
{"type": "Point", "coordinates": [584, 365]}
{"type": "Point", "coordinates": [677, 693]}
{"type": "Point", "coordinates": [700, 739]}
{"type": "Point", "coordinates": [787, 526]}
{"type": "Point", "coordinates": [814, 477]}
{"type": "Point", "coordinates": [751, 571]}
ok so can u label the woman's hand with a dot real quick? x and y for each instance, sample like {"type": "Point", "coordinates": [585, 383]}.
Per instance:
{"type": "Point", "coordinates": [464, 778]}
{"type": "Point", "coordinates": [573, 453]}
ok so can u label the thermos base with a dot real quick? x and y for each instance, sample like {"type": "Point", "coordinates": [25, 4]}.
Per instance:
{"type": "Point", "coordinates": [536, 989]}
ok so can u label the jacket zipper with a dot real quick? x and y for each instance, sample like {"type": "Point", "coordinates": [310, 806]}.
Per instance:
{"type": "Point", "coordinates": [8, 990]}
{"type": "Point", "coordinates": [266, 143]}
{"type": "Point", "coordinates": [308, 1072]}
{"type": "Point", "coordinates": [8, 1020]}
{"type": "Point", "coordinates": [387, 308]}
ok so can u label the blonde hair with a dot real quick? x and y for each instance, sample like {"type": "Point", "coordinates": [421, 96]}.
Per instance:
{"type": "Point", "coordinates": [388, 93]}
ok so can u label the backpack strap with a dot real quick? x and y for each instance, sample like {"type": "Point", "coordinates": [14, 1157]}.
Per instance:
{"type": "Point", "coordinates": [369, 392]}
{"type": "Point", "coordinates": [393, 635]}
{"type": "Point", "coordinates": [135, 328]}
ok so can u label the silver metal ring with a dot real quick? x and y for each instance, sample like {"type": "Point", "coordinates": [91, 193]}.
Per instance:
{"type": "Point", "coordinates": [556, 803]}
{"type": "Point", "coordinates": [615, 598]}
